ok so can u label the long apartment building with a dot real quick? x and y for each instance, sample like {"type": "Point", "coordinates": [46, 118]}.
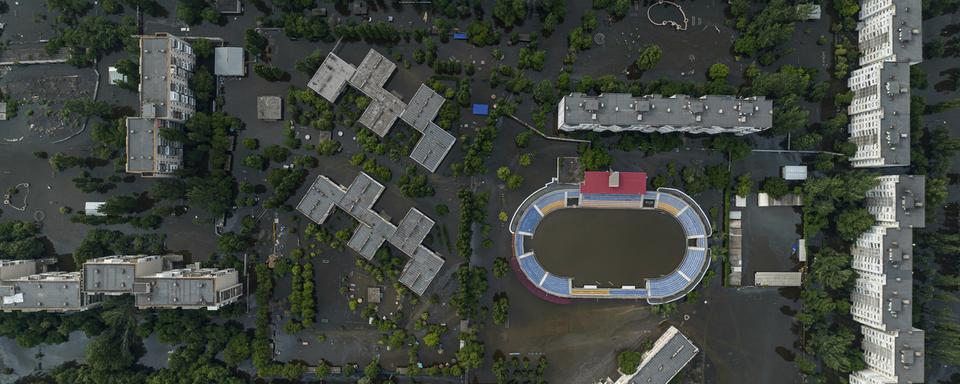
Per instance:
{"type": "Point", "coordinates": [166, 102]}
{"type": "Point", "coordinates": [889, 43]}
{"type": "Point", "coordinates": [23, 287]}
{"type": "Point", "coordinates": [882, 297]}
{"type": "Point", "coordinates": [618, 112]}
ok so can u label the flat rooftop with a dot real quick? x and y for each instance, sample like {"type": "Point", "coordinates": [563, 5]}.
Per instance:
{"type": "Point", "coordinates": [671, 352]}
{"type": "Point", "coordinates": [423, 107]}
{"type": "Point", "coordinates": [622, 109]}
{"type": "Point", "coordinates": [330, 79]}
{"type": "Point", "coordinates": [141, 144]}
{"type": "Point", "coordinates": [373, 230]}
{"type": "Point", "coordinates": [269, 108]}
{"type": "Point", "coordinates": [432, 147]}
{"type": "Point", "coordinates": [154, 69]}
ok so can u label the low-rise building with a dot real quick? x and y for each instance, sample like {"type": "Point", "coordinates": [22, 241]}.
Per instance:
{"type": "Point", "coordinates": [118, 275]}
{"type": "Point", "coordinates": [269, 108]}
{"type": "Point", "coordinates": [190, 288]}
{"type": "Point", "coordinates": [620, 112]}
{"type": "Point", "coordinates": [46, 292]}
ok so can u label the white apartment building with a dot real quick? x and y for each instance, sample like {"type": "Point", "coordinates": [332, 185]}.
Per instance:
{"type": "Point", "coordinates": [890, 31]}
{"type": "Point", "coordinates": [882, 298]}
{"type": "Point", "coordinates": [892, 357]}
{"type": "Point", "coordinates": [889, 42]}
{"type": "Point", "coordinates": [898, 201]}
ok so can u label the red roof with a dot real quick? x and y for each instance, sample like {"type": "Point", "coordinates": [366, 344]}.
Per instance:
{"type": "Point", "coordinates": [630, 183]}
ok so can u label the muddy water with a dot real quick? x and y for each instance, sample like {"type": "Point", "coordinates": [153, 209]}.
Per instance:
{"type": "Point", "coordinates": [609, 247]}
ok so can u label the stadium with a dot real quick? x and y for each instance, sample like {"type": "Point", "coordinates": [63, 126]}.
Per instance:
{"type": "Point", "coordinates": [609, 237]}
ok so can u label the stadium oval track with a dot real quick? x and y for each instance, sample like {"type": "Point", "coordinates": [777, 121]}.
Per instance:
{"type": "Point", "coordinates": [560, 289]}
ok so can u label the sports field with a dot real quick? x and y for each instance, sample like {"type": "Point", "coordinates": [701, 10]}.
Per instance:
{"type": "Point", "coordinates": [609, 247]}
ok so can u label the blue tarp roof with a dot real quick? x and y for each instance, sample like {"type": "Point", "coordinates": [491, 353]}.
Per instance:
{"type": "Point", "coordinates": [481, 109]}
{"type": "Point", "coordinates": [459, 36]}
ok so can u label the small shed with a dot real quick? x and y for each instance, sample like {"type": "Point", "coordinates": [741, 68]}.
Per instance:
{"type": "Point", "coordinates": [92, 208]}
{"type": "Point", "coordinates": [374, 295]}
{"type": "Point", "coordinates": [269, 108]}
{"type": "Point", "coordinates": [3, 111]}
{"type": "Point", "coordinates": [459, 36]}
{"type": "Point", "coordinates": [777, 279]}
{"type": "Point", "coordinates": [524, 38]}
{"type": "Point", "coordinates": [319, 12]}
{"type": "Point", "coordinates": [115, 77]}
{"type": "Point", "coordinates": [229, 61]}
{"type": "Point", "coordinates": [481, 109]}
{"type": "Point", "coordinates": [809, 11]}
{"type": "Point", "coordinates": [793, 172]}
{"type": "Point", "coordinates": [360, 8]}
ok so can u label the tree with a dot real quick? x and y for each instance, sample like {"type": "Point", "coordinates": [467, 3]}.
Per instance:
{"type": "Point", "coordinates": [255, 161]}
{"type": "Point", "coordinates": [500, 267]}
{"type": "Point", "coordinates": [594, 158]}
{"type": "Point", "coordinates": [744, 185]}
{"type": "Point", "coordinates": [629, 361]}
{"type": "Point", "coordinates": [503, 173]}
{"type": "Point", "coordinates": [501, 307]}
{"type": "Point", "coordinates": [124, 204]}
{"type": "Point", "coordinates": [649, 57]}
{"type": "Point", "coordinates": [526, 159]}
{"type": "Point", "coordinates": [203, 48]}
{"type": "Point", "coordinates": [255, 43]}
{"type": "Point", "coordinates": [270, 72]}
{"type": "Point", "coordinates": [831, 269]}
{"type": "Point", "coordinates": [214, 194]}
{"type": "Point", "coordinates": [203, 85]}
{"type": "Point", "coordinates": [237, 349]}
{"type": "Point", "coordinates": [852, 223]}
{"type": "Point", "coordinates": [833, 348]}
{"type": "Point", "coordinates": [776, 187]}
{"type": "Point", "coordinates": [510, 12]}
{"type": "Point", "coordinates": [277, 153]}
{"type": "Point", "coordinates": [514, 181]}
{"type": "Point", "coordinates": [942, 338]}
{"type": "Point", "coordinates": [718, 71]}
{"type": "Point", "coordinates": [20, 240]}
{"type": "Point", "coordinates": [523, 139]}
{"type": "Point", "coordinates": [372, 370]}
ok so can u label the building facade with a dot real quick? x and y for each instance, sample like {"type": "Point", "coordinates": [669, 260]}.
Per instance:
{"type": "Point", "coordinates": [23, 288]}
{"type": "Point", "coordinates": [882, 297]}
{"type": "Point", "coordinates": [889, 43]}
{"type": "Point", "coordinates": [618, 112]}
{"type": "Point", "coordinates": [166, 102]}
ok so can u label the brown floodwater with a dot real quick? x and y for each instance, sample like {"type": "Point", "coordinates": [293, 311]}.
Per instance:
{"type": "Point", "coordinates": [609, 247]}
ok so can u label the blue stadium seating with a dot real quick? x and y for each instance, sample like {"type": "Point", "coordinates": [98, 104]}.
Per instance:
{"type": "Point", "coordinates": [692, 263]}
{"type": "Point", "coordinates": [573, 194]}
{"type": "Point", "coordinates": [666, 198]}
{"type": "Point", "coordinates": [668, 285]}
{"type": "Point", "coordinates": [610, 197]}
{"type": "Point", "coordinates": [518, 244]}
{"type": "Point", "coordinates": [629, 292]}
{"type": "Point", "coordinates": [702, 242]}
{"type": "Point", "coordinates": [650, 195]}
{"type": "Point", "coordinates": [549, 198]}
{"type": "Point", "coordinates": [532, 268]}
{"type": "Point", "coordinates": [529, 221]}
{"type": "Point", "coordinates": [556, 285]}
{"type": "Point", "coordinates": [692, 224]}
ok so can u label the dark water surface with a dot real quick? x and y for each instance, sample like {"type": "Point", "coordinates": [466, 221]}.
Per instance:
{"type": "Point", "coordinates": [609, 247]}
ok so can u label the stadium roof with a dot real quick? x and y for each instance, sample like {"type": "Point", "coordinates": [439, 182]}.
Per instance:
{"type": "Point", "coordinates": [615, 183]}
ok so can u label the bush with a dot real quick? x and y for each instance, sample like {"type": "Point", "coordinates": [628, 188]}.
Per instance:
{"type": "Point", "coordinates": [629, 361]}
{"type": "Point", "coordinates": [270, 73]}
